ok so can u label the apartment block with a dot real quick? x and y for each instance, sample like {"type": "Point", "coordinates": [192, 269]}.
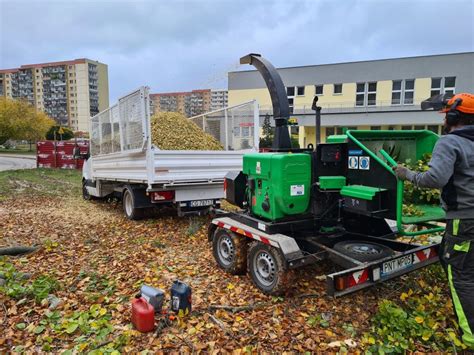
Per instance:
{"type": "Point", "coordinates": [70, 92]}
{"type": "Point", "coordinates": [375, 94]}
{"type": "Point", "coordinates": [189, 103]}
{"type": "Point", "coordinates": [219, 99]}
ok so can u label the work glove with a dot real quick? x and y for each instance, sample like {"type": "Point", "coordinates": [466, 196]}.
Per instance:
{"type": "Point", "coordinates": [401, 172]}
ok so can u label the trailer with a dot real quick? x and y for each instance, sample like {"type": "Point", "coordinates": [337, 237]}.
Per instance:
{"type": "Point", "coordinates": [338, 201]}
{"type": "Point", "coordinates": [124, 163]}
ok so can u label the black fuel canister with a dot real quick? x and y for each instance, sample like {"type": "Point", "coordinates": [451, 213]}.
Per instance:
{"type": "Point", "coordinates": [180, 297]}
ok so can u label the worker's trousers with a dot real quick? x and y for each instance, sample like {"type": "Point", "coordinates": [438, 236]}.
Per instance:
{"type": "Point", "coordinates": [457, 258]}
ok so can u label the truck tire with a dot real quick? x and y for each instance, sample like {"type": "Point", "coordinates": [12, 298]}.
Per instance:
{"type": "Point", "coordinates": [85, 194]}
{"type": "Point", "coordinates": [363, 251]}
{"type": "Point", "coordinates": [230, 251]}
{"type": "Point", "coordinates": [128, 203]}
{"type": "Point", "coordinates": [268, 269]}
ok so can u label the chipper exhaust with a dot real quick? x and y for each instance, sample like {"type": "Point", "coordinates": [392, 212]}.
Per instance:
{"type": "Point", "coordinates": [301, 206]}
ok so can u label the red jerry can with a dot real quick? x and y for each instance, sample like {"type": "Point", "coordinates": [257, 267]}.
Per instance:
{"type": "Point", "coordinates": [143, 315]}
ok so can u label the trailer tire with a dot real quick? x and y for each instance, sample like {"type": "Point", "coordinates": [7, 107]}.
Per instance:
{"type": "Point", "coordinates": [268, 270]}
{"type": "Point", "coordinates": [230, 251]}
{"type": "Point", "coordinates": [128, 203]}
{"type": "Point", "coordinates": [363, 251]}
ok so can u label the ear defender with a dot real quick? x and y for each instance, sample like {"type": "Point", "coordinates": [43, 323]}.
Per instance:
{"type": "Point", "coordinates": [453, 116]}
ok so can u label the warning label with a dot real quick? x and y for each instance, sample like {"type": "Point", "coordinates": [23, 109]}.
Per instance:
{"type": "Point", "coordinates": [364, 163]}
{"type": "Point", "coordinates": [353, 162]}
{"type": "Point", "coordinates": [297, 190]}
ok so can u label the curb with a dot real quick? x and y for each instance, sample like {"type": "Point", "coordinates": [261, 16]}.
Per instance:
{"type": "Point", "coordinates": [18, 156]}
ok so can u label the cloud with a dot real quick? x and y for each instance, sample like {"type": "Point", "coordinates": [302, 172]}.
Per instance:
{"type": "Point", "coordinates": [184, 45]}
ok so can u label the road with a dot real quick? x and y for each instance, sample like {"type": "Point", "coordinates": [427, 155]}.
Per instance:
{"type": "Point", "coordinates": [14, 162]}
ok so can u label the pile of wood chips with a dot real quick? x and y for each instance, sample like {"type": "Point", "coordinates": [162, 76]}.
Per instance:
{"type": "Point", "coordinates": [173, 131]}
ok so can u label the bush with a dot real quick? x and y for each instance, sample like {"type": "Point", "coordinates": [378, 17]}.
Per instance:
{"type": "Point", "coordinates": [422, 319]}
{"type": "Point", "coordinates": [53, 133]}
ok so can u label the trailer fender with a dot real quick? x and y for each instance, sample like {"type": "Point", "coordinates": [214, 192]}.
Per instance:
{"type": "Point", "coordinates": [286, 244]}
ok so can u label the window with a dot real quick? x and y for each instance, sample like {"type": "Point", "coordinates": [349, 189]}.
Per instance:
{"type": "Point", "coordinates": [70, 67]}
{"type": "Point", "coordinates": [337, 88]}
{"type": "Point", "coordinates": [37, 70]}
{"type": "Point", "coordinates": [391, 128]}
{"type": "Point", "coordinates": [435, 86]}
{"type": "Point", "coordinates": [291, 103]}
{"type": "Point", "coordinates": [449, 85]}
{"type": "Point", "coordinates": [71, 81]}
{"type": "Point", "coordinates": [366, 94]}
{"type": "Point", "coordinates": [433, 128]}
{"type": "Point", "coordinates": [360, 94]}
{"type": "Point", "coordinates": [409, 92]}
{"type": "Point", "coordinates": [419, 127]}
{"type": "Point", "coordinates": [37, 77]}
{"type": "Point", "coordinates": [245, 131]}
{"type": "Point", "coordinates": [396, 92]}
{"type": "Point", "coordinates": [300, 91]}
{"type": "Point", "coordinates": [376, 128]}
{"type": "Point", "coordinates": [371, 94]}
{"type": "Point", "coordinates": [38, 90]}
{"type": "Point", "coordinates": [319, 89]}
{"type": "Point", "coordinates": [407, 128]}
{"type": "Point", "coordinates": [329, 131]}
{"type": "Point", "coordinates": [290, 91]}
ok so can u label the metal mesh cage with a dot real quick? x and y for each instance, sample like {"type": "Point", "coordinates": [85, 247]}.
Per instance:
{"type": "Point", "coordinates": [120, 127]}
{"type": "Point", "coordinates": [235, 127]}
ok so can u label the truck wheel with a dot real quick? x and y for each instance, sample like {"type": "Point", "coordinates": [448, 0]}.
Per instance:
{"type": "Point", "coordinates": [128, 202]}
{"type": "Point", "coordinates": [267, 269]}
{"type": "Point", "coordinates": [363, 251]}
{"type": "Point", "coordinates": [230, 251]}
{"type": "Point", "coordinates": [85, 194]}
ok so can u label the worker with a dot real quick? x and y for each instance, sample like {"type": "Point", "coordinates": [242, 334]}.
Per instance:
{"type": "Point", "coordinates": [452, 170]}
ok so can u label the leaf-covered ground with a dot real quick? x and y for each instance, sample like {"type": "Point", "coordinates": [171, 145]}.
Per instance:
{"type": "Point", "coordinates": [93, 260]}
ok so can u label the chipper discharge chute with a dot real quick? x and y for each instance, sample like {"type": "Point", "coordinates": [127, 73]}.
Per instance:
{"type": "Point", "coordinates": [301, 206]}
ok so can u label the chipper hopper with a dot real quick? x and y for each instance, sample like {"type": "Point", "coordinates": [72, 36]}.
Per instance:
{"type": "Point", "coordinates": [301, 206]}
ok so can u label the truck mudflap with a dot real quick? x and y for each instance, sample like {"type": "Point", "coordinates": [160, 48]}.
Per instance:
{"type": "Point", "coordinates": [354, 279]}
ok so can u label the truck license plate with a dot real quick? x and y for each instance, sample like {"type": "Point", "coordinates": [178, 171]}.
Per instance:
{"type": "Point", "coordinates": [200, 203]}
{"type": "Point", "coordinates": [389, 267]}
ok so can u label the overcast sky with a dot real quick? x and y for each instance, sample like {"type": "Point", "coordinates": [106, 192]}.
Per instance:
{"type": "Point", "coordinates": [173, 45]}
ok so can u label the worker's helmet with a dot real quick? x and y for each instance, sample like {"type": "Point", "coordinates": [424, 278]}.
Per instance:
{"type": "Point", "coordinates": [465, 105]}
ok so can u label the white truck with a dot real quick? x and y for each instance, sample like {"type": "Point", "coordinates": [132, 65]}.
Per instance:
{"type": "Point", "coordinates": [123, 162]}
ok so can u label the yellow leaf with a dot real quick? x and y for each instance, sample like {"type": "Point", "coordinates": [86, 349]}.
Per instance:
{"type": "Point", "coordinates": [419, 319]}
{"type": "Point", "coordinates": [404, 296]}
{"type": "Point", "coordinates": [102, 311]}
{"type": "Point", "coordinates": [239, 319]}
{"type": "Point", "coordinates": [230, 286]}
{"type": "Point", "coordinates": [371, 340]}
{"type": "Point", "coordinates": [192, 331]}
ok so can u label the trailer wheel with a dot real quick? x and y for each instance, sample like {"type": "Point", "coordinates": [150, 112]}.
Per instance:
{"type": "Point", "coordinates": [268, 269]}
{"type": "Point", "coordinates": [128, 203]}
{"type": "Point", "coordinates": [230, 251]}
{"type": "Point", "coordinates": [363, 251]}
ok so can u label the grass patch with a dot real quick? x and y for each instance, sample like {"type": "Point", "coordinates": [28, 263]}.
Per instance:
{"type": "Point", "coordinates": [56, 182]}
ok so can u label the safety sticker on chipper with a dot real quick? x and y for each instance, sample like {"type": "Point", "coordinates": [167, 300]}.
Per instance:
{"type": "Point", "coordinates": [364, 163]}
{"type": "Point", "coordinates": [297, 190]}
{"type": "Point", "coordinates": [353, 162]}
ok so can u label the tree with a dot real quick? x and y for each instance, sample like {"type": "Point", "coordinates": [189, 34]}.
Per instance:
{"type": "Point", "coordinates": [19, 120]}
{"type": "Point", "coordinates": [59, 133]}
{"type": "Point", "coordinates": [267, 133]}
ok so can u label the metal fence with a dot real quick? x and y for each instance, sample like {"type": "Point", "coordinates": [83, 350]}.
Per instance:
{"type": "Point", "coordinates": [235, 127]}
{"type": "Point", "coordinates": [121, 127]}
